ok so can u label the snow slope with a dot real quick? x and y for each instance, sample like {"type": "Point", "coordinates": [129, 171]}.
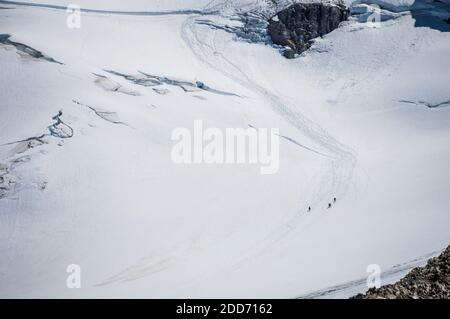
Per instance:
{"type": "Point", "coordinates": [132, 5]}
{"type": "Point", "coordinates": [354, 116]}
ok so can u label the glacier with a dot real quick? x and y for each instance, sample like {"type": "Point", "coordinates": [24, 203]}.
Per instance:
{"type": "Point", "coordinates": [86, 176]}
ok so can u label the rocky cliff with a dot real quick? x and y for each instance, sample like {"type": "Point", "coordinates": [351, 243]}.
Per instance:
{"type": "Point", "coordinates": [296, 26]}
{"type": "Point", "coordinates": [429, 282]}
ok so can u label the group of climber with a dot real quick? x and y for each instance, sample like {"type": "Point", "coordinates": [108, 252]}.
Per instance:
{"type": "Point", "coordinates": [330, 205]}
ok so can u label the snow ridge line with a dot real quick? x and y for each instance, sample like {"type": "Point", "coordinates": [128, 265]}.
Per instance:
{"type": "Point", "coordinates": [115, 12]}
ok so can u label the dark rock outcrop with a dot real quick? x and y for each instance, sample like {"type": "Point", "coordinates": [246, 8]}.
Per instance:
{"type": "Point", "coordinates": [429, 282]}
{"type": "Point", "coordinates": [296, 26]}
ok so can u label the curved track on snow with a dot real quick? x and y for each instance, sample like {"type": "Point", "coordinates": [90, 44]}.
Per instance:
{"type": "Point", "coordinates": [341, 158]}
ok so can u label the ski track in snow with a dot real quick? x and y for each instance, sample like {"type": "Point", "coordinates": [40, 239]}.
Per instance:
{"type": "Point", "coordinates": [342, 158]}
{"type": "Point", "coordinates": [335, 149]}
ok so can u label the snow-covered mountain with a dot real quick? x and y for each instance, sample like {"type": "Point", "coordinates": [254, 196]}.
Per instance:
{"type": "Point", "coordinates": [86, 176]}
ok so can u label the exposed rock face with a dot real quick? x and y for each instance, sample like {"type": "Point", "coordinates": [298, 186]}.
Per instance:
{"type": "Point", "coordinates": [297, 25]}
{"type": "Point", "coordinates": [429, 282]}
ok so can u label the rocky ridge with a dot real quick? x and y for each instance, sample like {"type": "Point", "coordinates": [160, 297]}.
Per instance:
{"type": "Point", "coordinates": [429, 282]}
{"type": "Point", "coordinates": [296, 26]}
